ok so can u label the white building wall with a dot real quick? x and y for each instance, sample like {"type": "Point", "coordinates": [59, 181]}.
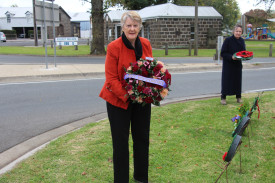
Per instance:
{"type": "Point", "coordinates": [15, 22]}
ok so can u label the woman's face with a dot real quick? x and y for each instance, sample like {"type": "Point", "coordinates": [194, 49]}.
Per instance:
{"type": "Point", "coordinates": [131, 29]}
{"type": "Point", "coordinates": [238, 32]}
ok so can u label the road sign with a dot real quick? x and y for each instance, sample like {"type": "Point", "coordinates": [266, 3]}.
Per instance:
{"type": "Point", "coordinates": [66, 41]}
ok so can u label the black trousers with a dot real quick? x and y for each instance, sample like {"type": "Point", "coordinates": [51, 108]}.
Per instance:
{"type": "Point", "coordinates": [237, 96]}
{"type": "Point", "coordinates": [138, 118]}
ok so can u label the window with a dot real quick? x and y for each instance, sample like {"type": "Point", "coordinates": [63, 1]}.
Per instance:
{"type": "Point", "coordinates": [61, 29]}
{"type": "Point", "coordinates": [117, 31]}
{"type": "Point", "coordinates": [192, 32]}
{"type": "Point", "coordinates": [8, 18]}
{"type": "Point", "coordinates": [29, 17]}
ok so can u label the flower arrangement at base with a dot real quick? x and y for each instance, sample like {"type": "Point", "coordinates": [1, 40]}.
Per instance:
{"type": "Point", "coordinates": [243, 55]}
{"type": "Point", "coordinates": [243, 112]}
{"type": "Point", "coordinates": [147, 81]}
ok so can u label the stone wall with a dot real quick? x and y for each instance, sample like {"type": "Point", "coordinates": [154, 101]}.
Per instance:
{"type": "Point", "coordinates": [64, 29]}
{"type": "Point", "coordinates": [176, 32]}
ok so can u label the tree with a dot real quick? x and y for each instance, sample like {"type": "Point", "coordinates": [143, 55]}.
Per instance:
{"type": "Point", "coordinates": [256, 17]}
{"type": "Point", "coordinates": [227, 8]}
{"type": "Point", "coordinates": [134, 4]}
{"type": "Point", "coordinates": [14, 5]}
{"type": "Point", "coordinates": [97, 45]}
{"type": "Point", "coordinates": [268, 3]}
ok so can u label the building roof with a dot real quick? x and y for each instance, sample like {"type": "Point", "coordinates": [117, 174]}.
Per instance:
{"type": "Point", "coordinates": [80, 16]}
{"type": "Point", "coordinates": [169, 10]}
{"type": "Point", "coordinates": [15, 11]}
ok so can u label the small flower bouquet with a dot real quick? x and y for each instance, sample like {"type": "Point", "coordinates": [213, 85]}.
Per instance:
{"type": "Point", "coordinates": [147, 81]}
{"type": "Point", "coordinates": [243, 55]}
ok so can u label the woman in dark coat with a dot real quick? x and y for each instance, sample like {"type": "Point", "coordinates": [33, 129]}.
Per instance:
{"type": "Point", "coordinates": [232, 68]}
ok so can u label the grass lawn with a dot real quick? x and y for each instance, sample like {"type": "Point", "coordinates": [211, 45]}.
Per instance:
{"type": "Point", "coordinates": [260, 49]}
{"type": "Point", "coordinates": [186, 141]}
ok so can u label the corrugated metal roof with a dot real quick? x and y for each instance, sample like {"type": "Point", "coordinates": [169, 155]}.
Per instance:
{"type": "Point", "coordinates": [80, 16]}
{"type": "Point", "coordinates": [115, 15]}
{"type": "Point", "coordinates": [16, 11]}
{"type": "Point", "coordinates": [169, 10]}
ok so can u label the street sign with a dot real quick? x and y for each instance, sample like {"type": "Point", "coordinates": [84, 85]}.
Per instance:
{"type": "Point", "coordinates": [66, 41]}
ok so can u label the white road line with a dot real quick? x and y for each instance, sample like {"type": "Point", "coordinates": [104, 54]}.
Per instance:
{"type": "Point", "coordinates": [55, 81]}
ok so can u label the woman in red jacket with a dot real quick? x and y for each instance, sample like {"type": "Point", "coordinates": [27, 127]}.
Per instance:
{"type": "Point", "coordinates": [121, 112]}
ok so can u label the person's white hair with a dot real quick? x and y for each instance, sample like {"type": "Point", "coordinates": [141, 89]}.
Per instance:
{"type": "Point", "coordinates": [133, 15]}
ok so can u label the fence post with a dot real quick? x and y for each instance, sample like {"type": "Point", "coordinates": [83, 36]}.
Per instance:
{"type": "Point", "coordinates": [270, 49]}
{"type": "Point", "coordinates": [51, 43]}
{"type": "Point", "coordinates": [166, 48]}
{"type": "Point", "coordinates": [60, 47]}
{"type": "Point", "coordinates": [75, 47]}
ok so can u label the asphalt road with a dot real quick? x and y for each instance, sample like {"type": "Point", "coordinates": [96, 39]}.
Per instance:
{"type": "Point", "coordinates": [29, 109]}
{"type": "Point", "coordinates": [23, 59]}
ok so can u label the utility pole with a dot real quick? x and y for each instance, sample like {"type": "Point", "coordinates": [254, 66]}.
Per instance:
{"type": "Point", "coordinates": [34, 24]}
{"type": "Point", "coordinates": [196, 29]}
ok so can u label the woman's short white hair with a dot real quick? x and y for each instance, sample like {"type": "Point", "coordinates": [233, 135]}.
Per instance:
{"type": "Point", "coordinates": [237, 26]}
{"type": "Point", "coordinates": [133, 15]}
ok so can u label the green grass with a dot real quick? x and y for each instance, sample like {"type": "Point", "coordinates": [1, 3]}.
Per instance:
{"type": "Point", "coordinates": [260, 49]}
{"type": "Point", "coordinates": [186, 141]}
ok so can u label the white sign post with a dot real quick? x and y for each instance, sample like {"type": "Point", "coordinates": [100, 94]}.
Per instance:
{"type": "Point", "coordinates": [219, 46]}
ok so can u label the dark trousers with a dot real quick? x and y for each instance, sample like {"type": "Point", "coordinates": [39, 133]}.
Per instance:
{"type": "Point", "coordinates": [237, 96]}
{"type": "Point", "coordinates": [138, 117]}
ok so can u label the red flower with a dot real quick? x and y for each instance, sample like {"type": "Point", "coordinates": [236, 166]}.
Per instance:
{"type": "Point", "coordinates": [132, 97]}
{"type": "Point", "coordinates": [129, 87]}
{"type": "Point", "coordinates": [135, 67]}
{"type": "Point", "coordinates": [159, 87]}
{"type": "Point", "coordinates": [224, 156]}
{"type": "Point", "coordinates": [157, 68]}
{"type": "Point", "coordinates": [140, 88]}
{"type": "Point", "coordinates": [144, 72]}
{"type": "Point", "coordinates": [159, 98]}
{"type": "Point", "coordinates": [147, 91]}
{"type": "Point", "coordinates": [148, 100]}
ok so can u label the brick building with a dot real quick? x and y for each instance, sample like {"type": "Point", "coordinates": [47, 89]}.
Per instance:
{"type": "Point", "coordinates": [66, 28]}
{"type": "Point", "coordinates": [171, 24]}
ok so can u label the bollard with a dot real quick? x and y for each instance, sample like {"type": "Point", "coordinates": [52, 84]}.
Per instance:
{"type": "Point", "coordinates": [88, 42]}
{"type": "Point", "coordinates": [270, 49]}
{"type": "Point", "coordinates": [60, 47]}
{"type": "Point", "coordinates": [51, 43]}
{"type": "Point", "coordinates": [75, 47]}
{"type": "Point", "coordinates": [166, 49]}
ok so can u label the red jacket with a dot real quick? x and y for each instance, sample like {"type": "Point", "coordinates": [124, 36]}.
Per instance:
{"type": "Point", "coordinates": [119, 57]}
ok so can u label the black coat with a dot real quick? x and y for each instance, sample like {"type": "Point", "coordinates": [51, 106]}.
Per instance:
{"type": "Point", "coordinates": [232, 69]}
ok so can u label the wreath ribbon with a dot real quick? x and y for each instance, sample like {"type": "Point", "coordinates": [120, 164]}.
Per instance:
{"type": "Point", "coordinates": [148, 80]}
{"type": "Point", "coordinates": [258, 110]}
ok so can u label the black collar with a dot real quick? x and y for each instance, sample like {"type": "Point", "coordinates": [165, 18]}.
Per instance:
{"type": "Point", "coordinates": [138, 46]}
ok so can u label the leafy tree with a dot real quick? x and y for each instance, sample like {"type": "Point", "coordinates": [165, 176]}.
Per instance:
{"type": "Point", "coordinates": [256, 17]}
{"type": "Point", "coordinates": [97, 45]}
{"type": "Point", "coordinates": [227, 8]}
{"type": "Point", "coordinates": [134, 4]}
{"type": "Point", "coordinates": [268, 3]}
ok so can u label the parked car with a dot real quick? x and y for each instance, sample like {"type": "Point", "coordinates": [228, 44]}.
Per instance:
{"type": "Point", "coordinates": [21, 36]}
{"type": "Point", "coordinates": [3, 37]}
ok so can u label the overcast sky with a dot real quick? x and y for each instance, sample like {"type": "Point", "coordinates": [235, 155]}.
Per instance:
{"type": "Point", "coordinates": [77, 6]}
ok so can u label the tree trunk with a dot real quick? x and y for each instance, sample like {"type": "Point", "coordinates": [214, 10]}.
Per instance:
{"type": "Point", "coordinates": [97, 46]}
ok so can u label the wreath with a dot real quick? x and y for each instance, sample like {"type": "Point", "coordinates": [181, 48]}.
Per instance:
{"type": "Point", "coordinates": [147, 81]}
{"type": "Point", "coordinates": [243, 55]}
{"type": "Point", "coordinates": [232, 149]}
